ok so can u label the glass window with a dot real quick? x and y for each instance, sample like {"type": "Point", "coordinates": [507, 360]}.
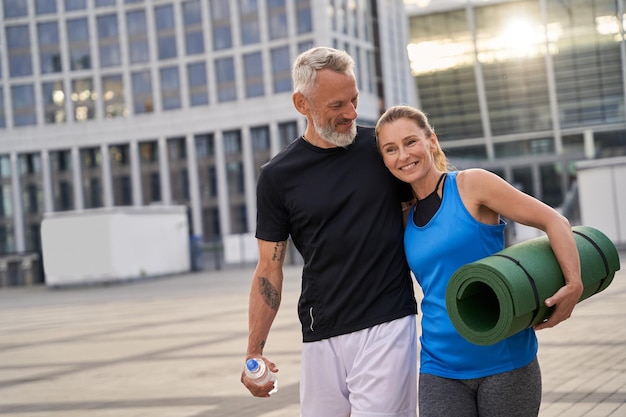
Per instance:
{"type": "Point", "coordinates": [113, 101]}
{"type": "Point", "coordinates": [78, 44]}
{"type": "Point", "coordinates": [18, 44]}
{"type": "Point", "coordinates": [90, 160]}
{"type": "Point", "coordinates": [23, 99]}
{"type": "Point", "coordinates": [177, 155]}
{"type": "Point", "coordinates": [120, 173]}
{"type": "Point", "coordinates": [15, 8]}
{"type": "Point", "coordinates": [234, 173]}
{"type": "Point", "coordinates": [232, 142]}
{"type": "Point", "coordinates": [204, 145]}
{"type": "Point", "coordinates": [105, 3]}
{"type": "Point", "coordinates": [304, 21]}
{"type": "Point", "coordinates": [287, 133]}
{"type": "Point", "coordinates": [49, 47]}
{"type": "Point", "coordinates": [75, 5]}
{"type": "Point", "coordinates": [6, 201]}
{"type": "Point", "coordinates": [148, 152]}
{"type": "Point", "coordinates": [610, 144]}
{"type": "Point", "coordinates": [150, 177]}
{"type": "Point", "coordinates": [445, 81]}
{"type": "Point", "coordinates": [260, 138]}
{"type": "Point", "coordinates": [192, 18]}
{"type": "Point", "coordinates": [306, 45]}
{"type": "Point", "coordinates": [476, 153]}
{"type": "Point", "coordinates": [253, 70]}
{"type": "Point", "coordinates": [520, 148]}
{"type": "Point", "coordinates": [220, 15]}
{"type": "Point", "coordinates": [45, 6]}
{"type": "Point", "coordinates": [225, 79]}
{"type": "Point", "coordinates": [342, 16]}
{"type": "Point", "coordinates": [249, 22]}
{"type": "Point", "coordinates": [53, 102]}
{"type": "Point", "coordinates": [29, 166]}
{"type": "Point", "coordinates": [142, 92]}
{"type": "Point", "coordinates": [585, 46]}
{"type": "Point", "coordinates": [138, 48]}
{"type": "Point", "coordinates": [513, 63]}
{"type": "Point", "coordinates": [108, 41]}
{"type": "Point", "coordinates": [198, 89]}
{"type": "Point", "coordinates": [83, 99]}
{"type": "Point", "coordinates": [170, 88]}
{"type": "Point", "coordinates": [3, 120]}
{"type": "Point", "coordinates": [281, 69]}
{"type": "Point", "coordinates": [166, 31]}
{"type": "Point", "coordinates": [62, 182]}
{"type": "Point", "coordinates": [277, 16]}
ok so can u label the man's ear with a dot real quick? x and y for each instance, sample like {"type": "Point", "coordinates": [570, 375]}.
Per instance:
{"type": "Point", "coordinates": [300, 103]}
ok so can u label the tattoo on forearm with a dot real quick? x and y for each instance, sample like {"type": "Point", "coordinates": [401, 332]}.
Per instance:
{"type": "Point", "coordinates": [262, 345]}
{"type": "Point", "coordinates": [269, 293]}
{"type": "Point", "coordinates": [279, 251]}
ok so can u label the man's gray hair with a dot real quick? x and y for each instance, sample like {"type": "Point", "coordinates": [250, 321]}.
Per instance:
{"type": "Point", "coordinates": [307, 64]}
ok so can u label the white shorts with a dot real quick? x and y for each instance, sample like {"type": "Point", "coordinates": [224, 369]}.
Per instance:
{"type": "Point", "coordinates": [372, 372]}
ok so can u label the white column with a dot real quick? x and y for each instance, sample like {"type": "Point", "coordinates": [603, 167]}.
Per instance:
{"type": "Point", "coordinates": [550, 76]}
{"type": "Point", "coordinates": [480, 85]}
{"type": "Point", "coordinates": [79, 202]}
{"type": "Point", "coordinates": [48, 201]}
{"type": "Point", "coordinates": [164, 172]}
{"type": "Point", "coordinates": [249, 183]}
{"type": "Point", "coordinates": [194, 186]}
{"type": "Point", "coordinates": [590, 148]}
{"type": "Point", "coordinates": [107, 178]}
{"type": "Point", "coordinates": [135, 173]}
{"type": "Point", "coordinates": [222, 184]}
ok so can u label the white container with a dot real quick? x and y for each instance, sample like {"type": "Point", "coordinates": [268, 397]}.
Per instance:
{"type": "Point", "coordinates": [113, 244]}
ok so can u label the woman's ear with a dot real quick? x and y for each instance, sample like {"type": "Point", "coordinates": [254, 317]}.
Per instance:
{"type": "Point", "coordinates": [433, 142]}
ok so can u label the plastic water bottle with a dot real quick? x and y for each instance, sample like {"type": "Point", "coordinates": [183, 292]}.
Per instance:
{"type": "Point", "coordinates": [260, 374]}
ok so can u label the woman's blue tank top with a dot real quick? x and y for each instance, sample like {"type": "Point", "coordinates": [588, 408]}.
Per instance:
{"type": "Point", "coordinates": [450, 239]}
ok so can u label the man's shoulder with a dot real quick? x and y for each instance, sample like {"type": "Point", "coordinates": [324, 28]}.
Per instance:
{"type": "Point", "coordinates": [285, 153]}
{"type": "Point", "coordinates": [365, 132]}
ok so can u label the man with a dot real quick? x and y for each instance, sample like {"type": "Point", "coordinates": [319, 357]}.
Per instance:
{"type": "Point", "coordinates": [330, 192]}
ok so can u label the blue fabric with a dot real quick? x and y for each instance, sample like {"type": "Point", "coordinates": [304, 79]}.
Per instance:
{"type": "Point", "coordinates": [450, 239]}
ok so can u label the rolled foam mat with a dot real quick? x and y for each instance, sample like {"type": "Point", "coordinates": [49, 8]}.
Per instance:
{"type": "Point", "coordinates": [502, 294]}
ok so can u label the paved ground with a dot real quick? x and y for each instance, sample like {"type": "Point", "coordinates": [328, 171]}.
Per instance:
{"type": "Point", "coordinates": [174, 347]}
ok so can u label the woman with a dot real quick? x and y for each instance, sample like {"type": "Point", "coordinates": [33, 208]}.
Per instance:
{"type": "Point", "coordinates": [457, 219]}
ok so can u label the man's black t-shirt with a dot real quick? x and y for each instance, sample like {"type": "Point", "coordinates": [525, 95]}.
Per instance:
{"type": "Point", "coordinates": [342, 208]}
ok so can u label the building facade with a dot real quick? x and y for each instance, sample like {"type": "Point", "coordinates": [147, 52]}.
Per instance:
{"type": "Point", "coordinates": [108, 103]}
{"type": "Point", "coordinates": [523, 87]}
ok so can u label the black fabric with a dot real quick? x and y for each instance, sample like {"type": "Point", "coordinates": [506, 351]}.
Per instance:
{"type": "Point", "coordinates": [426, 208]}
{"type": "Point", "coordinates": [341, 207]}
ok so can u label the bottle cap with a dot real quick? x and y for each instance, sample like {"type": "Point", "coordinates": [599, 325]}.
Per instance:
{"type": "Point", "coordinates": [252, 365]}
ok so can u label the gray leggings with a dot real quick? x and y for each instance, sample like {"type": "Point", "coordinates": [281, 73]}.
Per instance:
{"type": "Point", "coordinates": [516, 393]}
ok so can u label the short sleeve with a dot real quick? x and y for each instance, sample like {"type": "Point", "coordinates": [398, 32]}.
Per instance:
{"type": "Point", "coordinates": [272, 222]}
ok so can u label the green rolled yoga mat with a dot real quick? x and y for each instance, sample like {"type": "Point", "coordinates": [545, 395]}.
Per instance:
{"type": "Point", "coordinates": [502, 294]}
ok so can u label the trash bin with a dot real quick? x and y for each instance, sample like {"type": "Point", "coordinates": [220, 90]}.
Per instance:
{"type": "Point", "coordinates": [196, 244]}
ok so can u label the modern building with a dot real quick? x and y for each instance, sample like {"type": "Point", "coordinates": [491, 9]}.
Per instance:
{"type": "Point", "coordinates": [523, 87]}
{"type": "Point", "coordinates": [107, 103]}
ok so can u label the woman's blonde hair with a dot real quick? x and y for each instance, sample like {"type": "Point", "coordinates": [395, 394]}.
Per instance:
{"type": "Point", "coordinates": [407, 112]}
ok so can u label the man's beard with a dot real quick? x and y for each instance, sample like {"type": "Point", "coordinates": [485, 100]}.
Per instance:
{"type": "Point", "coordinates": [329, 134]}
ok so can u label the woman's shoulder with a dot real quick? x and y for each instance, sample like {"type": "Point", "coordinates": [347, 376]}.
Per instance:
{"type": "Point", "coordinates": [473, 175]}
